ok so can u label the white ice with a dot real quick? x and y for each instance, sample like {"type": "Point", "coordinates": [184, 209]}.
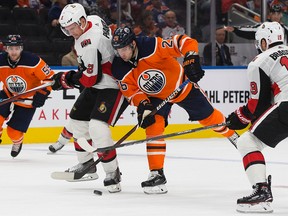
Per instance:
{"type": "Point", "coordinates": [205, 177]}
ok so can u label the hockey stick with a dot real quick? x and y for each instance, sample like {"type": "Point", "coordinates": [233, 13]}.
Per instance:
{"type": "Point", "coordinates": [16, 97]}
{"type": "Point", "coordinates": [92, 149]}
{"type": "Point", "coordinates": [86, 146]}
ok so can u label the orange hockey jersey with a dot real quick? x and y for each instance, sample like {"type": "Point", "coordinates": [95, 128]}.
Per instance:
{"type": "Point", "coordinates": [28, 74]}
{"type": "Point", "coordinates": [156, 72]}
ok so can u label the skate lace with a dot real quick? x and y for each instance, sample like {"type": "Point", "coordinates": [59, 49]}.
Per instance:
{"type": "Point", "coordinates": [16, 147]}
{"type": "Point", "coordinates": [255, 191]}
{"type": "Point", "coordinates": [153, 174]}
{"type": "Point", "coordinates": [111, 175]}
{"type": "Point", "coordinates": [57, 145]}
{"type": "Point", "coordinates": [75, 168]}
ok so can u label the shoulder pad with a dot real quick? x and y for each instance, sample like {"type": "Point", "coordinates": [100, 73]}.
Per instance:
{"type": "Point", "coordinates": [120, 68]}
{"type": "Point", "coordinates": [146, 46]}
{"type": "Point", "coordinates": [29, 59]}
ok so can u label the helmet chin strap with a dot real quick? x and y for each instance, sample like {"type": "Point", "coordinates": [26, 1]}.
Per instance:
{"type": "Point", "coordinates": [84, 28]}
{"type": "Point", "coordinates": [134, 58]}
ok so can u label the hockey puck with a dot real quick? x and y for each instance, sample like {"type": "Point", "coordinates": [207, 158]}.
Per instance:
{"type": "Point", "coordinates": [97, 192]}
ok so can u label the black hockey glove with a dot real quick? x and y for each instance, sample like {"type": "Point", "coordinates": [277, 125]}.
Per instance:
{"type": "Point", "coordinates": [144, 109]}
{"type": "Point", "coordinates": [63, 80]}
{"type": "Point", "coordinates": [192, 67]}
{"type": "Point", "coordinates": [40, 97]}
{"type": "Point", "coordinates": [239, 119]}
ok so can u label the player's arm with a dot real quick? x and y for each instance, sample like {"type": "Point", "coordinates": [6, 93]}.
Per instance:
{"type": "Point", "coordinates": [42, 72]}
{"type": "Point", "coordinates": [247, 32]}
{"type": "Point", "coordinates": [260, 94]}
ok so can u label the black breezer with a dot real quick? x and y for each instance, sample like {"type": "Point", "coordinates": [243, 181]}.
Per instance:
{"type": "Point", "coordinates": [100, 104]}
{"type": "Point", "coordinates": [272, 128]}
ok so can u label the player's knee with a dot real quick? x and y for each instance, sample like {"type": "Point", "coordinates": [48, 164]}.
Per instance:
{"type": "Point", "coordinates": [80, 129]}
{"type": "Point", "coordinates": [15, 135]}
{"type": "Point", "coordinates": [100, 133]}
{"type": "Point", "coordinates": [247, 143]}
{"type": "Point", "coordinates": [215, 118]}
{"type": "Point", "coordinates": [157, 128]}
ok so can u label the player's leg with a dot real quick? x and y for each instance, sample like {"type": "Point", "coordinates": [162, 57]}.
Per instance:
{"type": "Point", "coordinates": [109, 105]}
{"type": "Point", "coordinates": [64, 137]}
{"type": "Point", "coordinates": [200, 109]}
{"type": "Point", "coordinates": [270, 129]}
{"type": "Point", "coordinates": [17, 126]}
{"type": "Point", "coordinates": [85, 159]}
{"type": "Point", "coordinates": [79, 123]}
{"type": "Point", "coordinates": [156, 155]}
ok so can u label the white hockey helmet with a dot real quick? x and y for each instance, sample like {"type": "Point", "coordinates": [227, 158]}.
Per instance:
{"type": "Point", "coordinates": [71, 13]}
{"type": "Point", "coordinates": [271, 32]}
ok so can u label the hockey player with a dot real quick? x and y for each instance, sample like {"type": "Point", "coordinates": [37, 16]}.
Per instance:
{"type": "Point", "coordinates": [268, 75]}
{"type": "Point", "coordinates": [19, 72]}
{"type": "Point", "coordinates": [64, 137]}
{"type": "Point", "coordinates": [147, 67]}
{"type": "Point", "coordinates": [101, 103]}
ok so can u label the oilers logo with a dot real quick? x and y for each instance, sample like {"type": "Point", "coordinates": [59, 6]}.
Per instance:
{"type": "Point", "coordinates": [151, 81]}
{"type": "Point", "coordinates": [16, 84]}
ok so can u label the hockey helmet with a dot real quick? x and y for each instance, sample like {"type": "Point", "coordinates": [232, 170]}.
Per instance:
{"type": "Point", "coordinates": [122, 37]}
{"type": "Point", "coordinates": [275, 8]}
{"type": "Point", "coordinates": [271, 32]}
{"type": "Point", "coordinates": [13, 40]}
{"type": "Point", "coordinates": [71, 13]}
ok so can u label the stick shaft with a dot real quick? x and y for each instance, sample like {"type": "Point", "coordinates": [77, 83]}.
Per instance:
{"type": "Point", "coordinates": [16, 97]}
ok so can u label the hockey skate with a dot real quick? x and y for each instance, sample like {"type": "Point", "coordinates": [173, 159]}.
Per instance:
{"type": "Point", "coordinates": [112, 181]}
{"type": "Point", "coordinates": [155, 183]}
{"type": "Point", "coordinates": [259, 201]}
{"type": "Point", "coordinates": [56, 147]}
{"type": "Point", "coordinates": [89, 176]}
{"type": "Point", "coordinates": [233, 139]}
{"type": "Point", "coordinates": [16, 149]}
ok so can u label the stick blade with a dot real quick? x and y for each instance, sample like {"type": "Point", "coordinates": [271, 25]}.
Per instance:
{"type": "Point", "coordinates": [85, 145]}
{"type": "Point", "coordinates": [68, 176]}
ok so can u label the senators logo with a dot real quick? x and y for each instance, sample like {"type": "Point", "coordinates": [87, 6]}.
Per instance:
{"type": "Point", "coordinates": [16, 84]}
{"type": "Point", "coordinates": [102, 108]}
{"type": "Point", "coordinates": [85, 42]}
{"type": "Point", "coordinates": [152, 81]}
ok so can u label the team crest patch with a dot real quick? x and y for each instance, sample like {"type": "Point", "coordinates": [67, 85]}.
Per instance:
{"type": "Point", "coordinates": [152, 81]}
{"type": "Point", "coordinates": [102, 108]}
{"type": "Point", "coordinates": [85, 42]}
{"type": "Point", "coordinates": [16, 84]}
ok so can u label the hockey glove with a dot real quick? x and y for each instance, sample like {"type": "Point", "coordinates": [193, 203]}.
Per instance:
{"type": "Point", "coordinates": [40, 97]}
{"type": "Point", "coordinates": [192, 67]}
{"type": "Point", "coordinates": [63, 80]}
{"type": "Point", "coordinates": [239, 119]}
{"type": "Point", "coordinates": [144, 109]}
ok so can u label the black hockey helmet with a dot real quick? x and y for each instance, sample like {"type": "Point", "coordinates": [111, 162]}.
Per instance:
{"type": "Point", "coordinates": [13, 40]}
{"type": "Point", "coordinates": [122, 37]}
{"type": "Point", "coordinates": [275, 8]}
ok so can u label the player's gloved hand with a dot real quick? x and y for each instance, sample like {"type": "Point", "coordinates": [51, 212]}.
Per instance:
{"type": "Point", "coordinates": [40, 97]}
{"type": "Point", "coordinates": [192, 67]}
{"type": "Point", "coordinates": [238, 120]}
{"type": "Point", "coordinates": [63, 80]}
{"type": "Point", "coordinates": [144, 109]}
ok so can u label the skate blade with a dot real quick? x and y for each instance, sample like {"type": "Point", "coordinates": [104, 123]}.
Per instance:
{"type": "Point", "coordinates": [262, 207]}
{"type": "Point", "coordinates": [159, 189]}
{"type": "Point", "coordinates": [86, 177]}
{"type": "Point", "coordinates": [114, 188]}
{"type": "Point", "coordinates": [70, 177]}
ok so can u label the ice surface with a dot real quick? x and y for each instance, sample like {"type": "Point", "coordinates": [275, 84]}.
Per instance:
{"type": "Point", "coordinates": [205, 177]}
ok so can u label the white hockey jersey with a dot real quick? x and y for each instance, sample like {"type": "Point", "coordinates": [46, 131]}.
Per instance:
{"type": "Point", "coordinates": [95, 53]}
{"type": "Point", "coordinates": [268, 76]}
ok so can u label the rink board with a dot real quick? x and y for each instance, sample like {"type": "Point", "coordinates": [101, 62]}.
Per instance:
{"type": "Point", "coordinates": [226, 87]}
